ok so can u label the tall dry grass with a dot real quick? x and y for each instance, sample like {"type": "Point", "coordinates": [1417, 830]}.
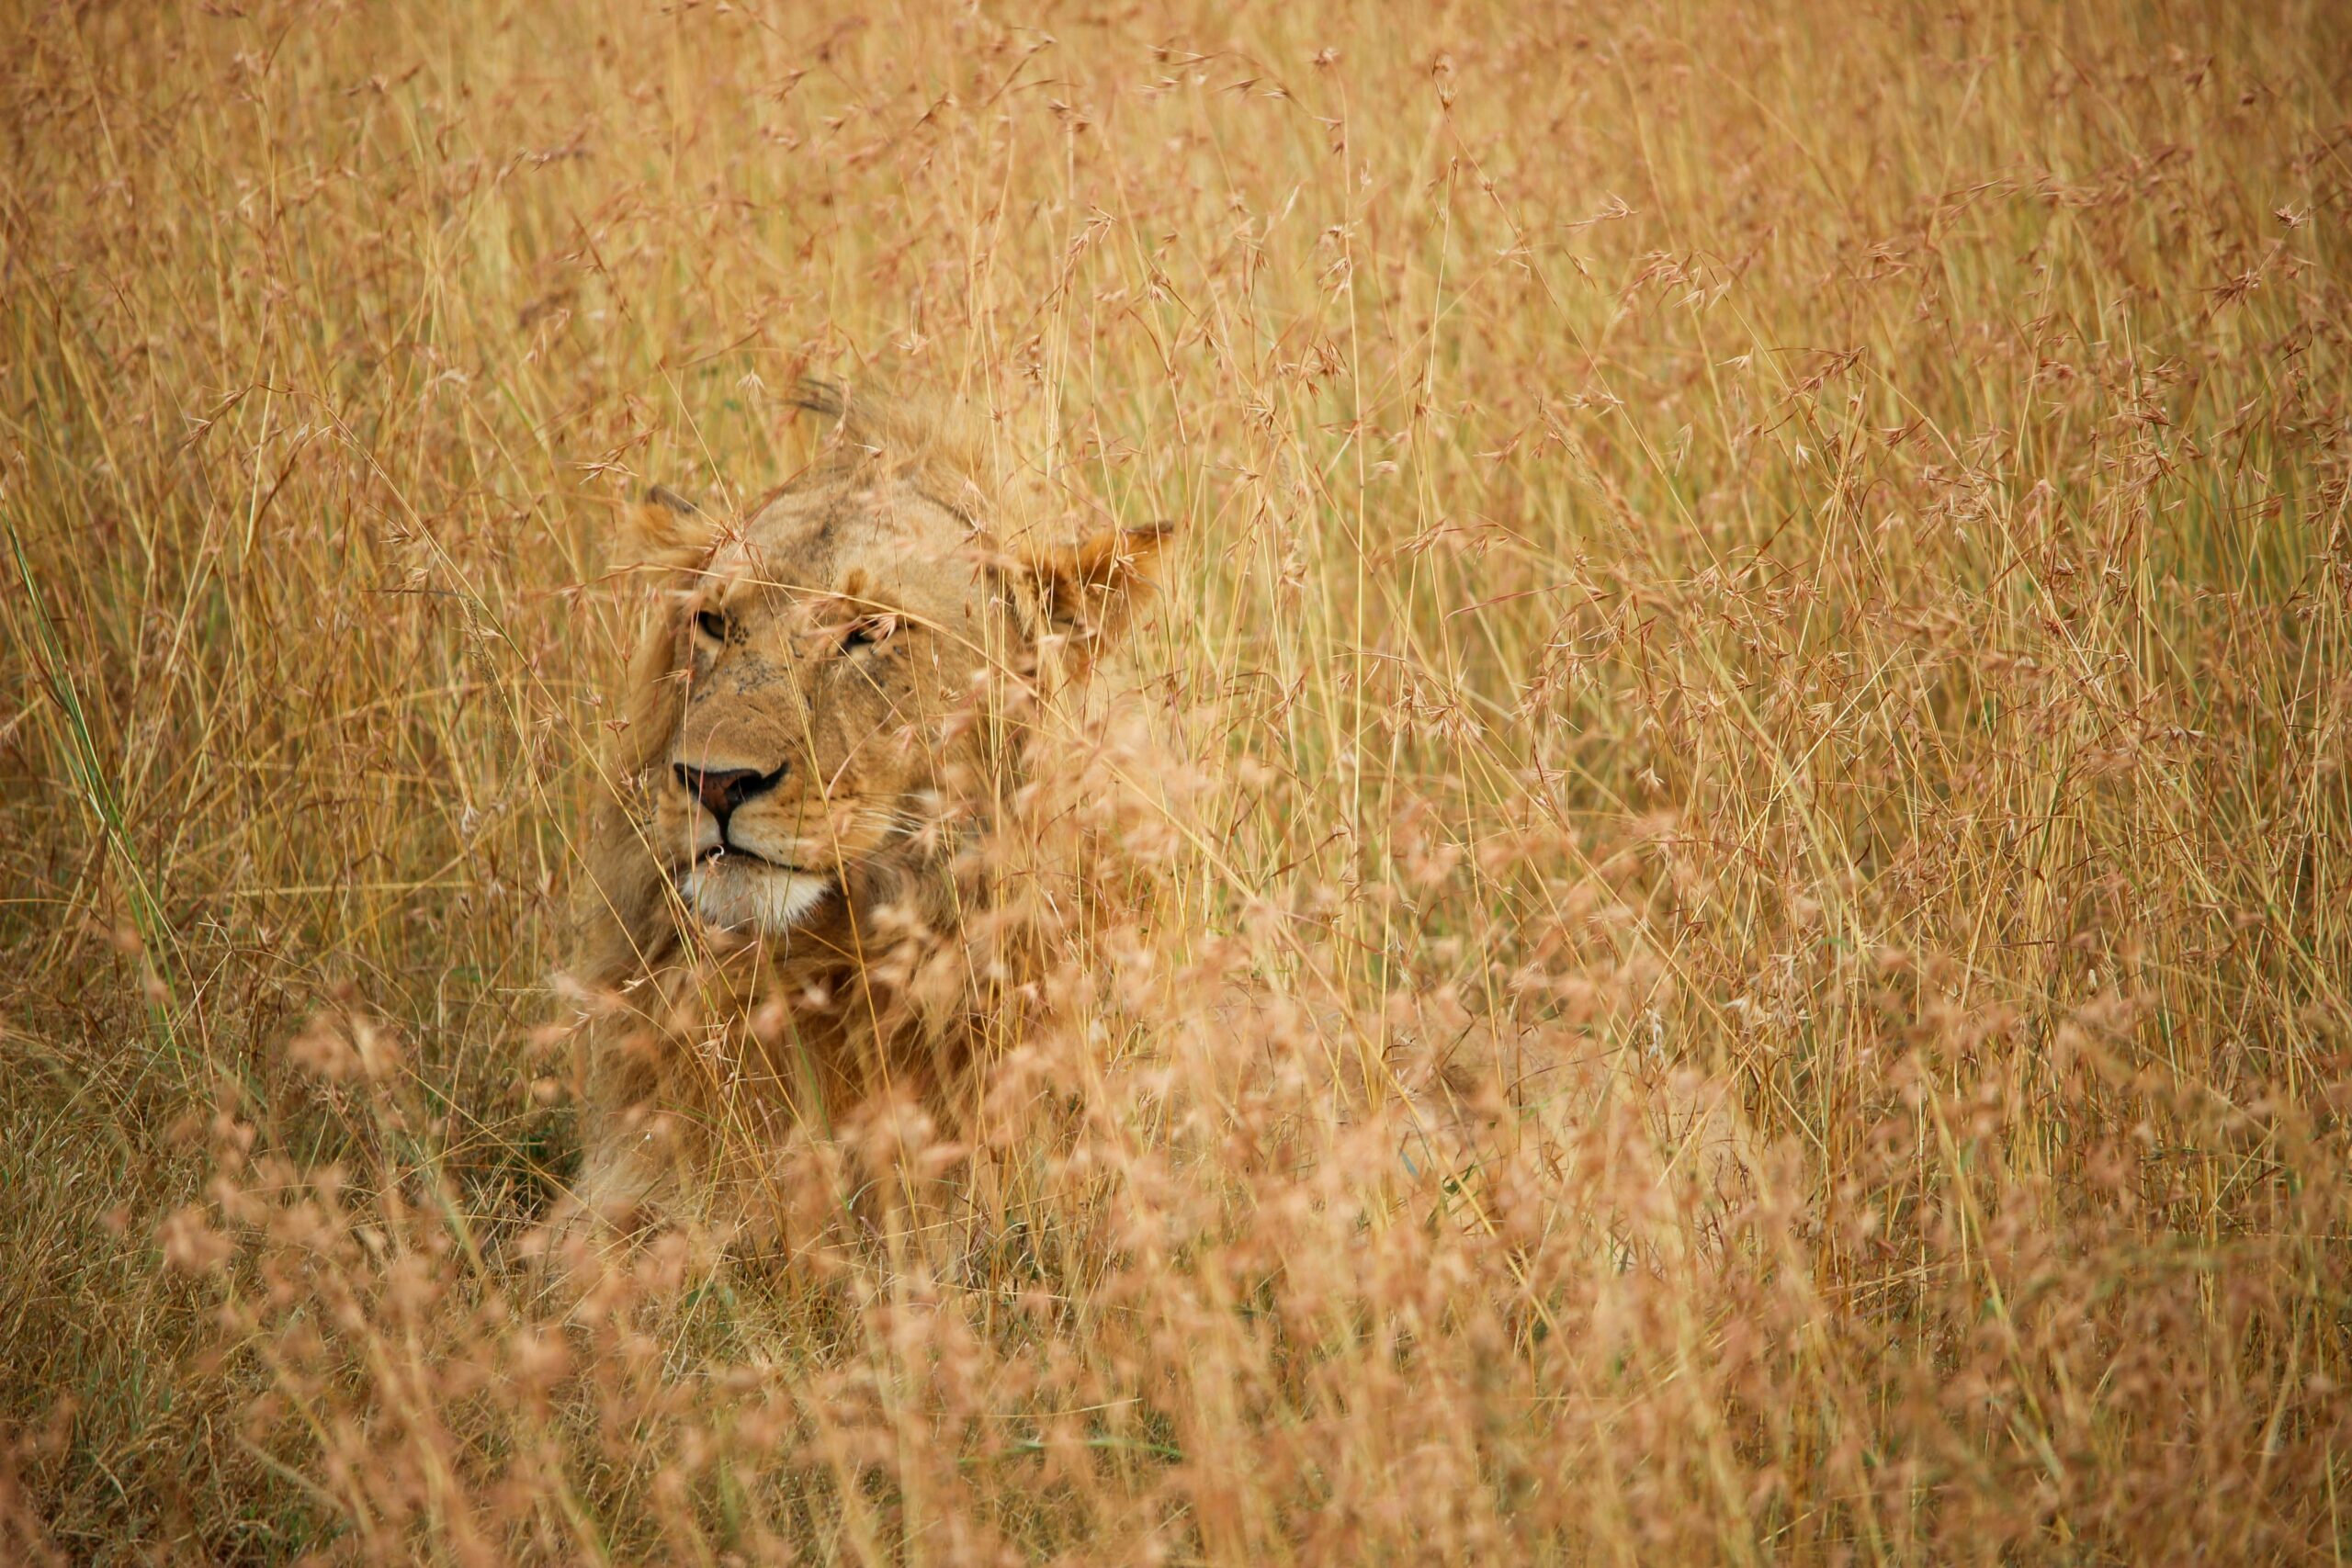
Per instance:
{"type": "Point", "coordinates": [1743, 955]}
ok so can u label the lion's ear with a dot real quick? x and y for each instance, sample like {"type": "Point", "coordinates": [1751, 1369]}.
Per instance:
{"type": "Point", "coordinates": [666, 530]}
{"type": "Point", "coordinates": [1086, 590]}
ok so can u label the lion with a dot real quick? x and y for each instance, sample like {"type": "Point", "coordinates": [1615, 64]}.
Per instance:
{"type": "Point", "coordinates": [827, 709]}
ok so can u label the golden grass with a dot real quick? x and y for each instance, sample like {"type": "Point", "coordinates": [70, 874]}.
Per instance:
{"type": "Point", "coordinates": [1774, 581]}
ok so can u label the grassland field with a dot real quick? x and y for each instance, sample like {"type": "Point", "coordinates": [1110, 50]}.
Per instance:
{"type": "Point", "coordinates": [1754, 679]}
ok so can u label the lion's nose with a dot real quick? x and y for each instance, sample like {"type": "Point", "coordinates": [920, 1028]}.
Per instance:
{"type": "Point", "coordinates": [722, 790]}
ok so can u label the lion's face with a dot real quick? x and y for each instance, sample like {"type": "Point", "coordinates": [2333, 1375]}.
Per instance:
{"type": "Point", "coordinates": [831, 662]}
{"type": "Point", "coordinates": [827, 685]}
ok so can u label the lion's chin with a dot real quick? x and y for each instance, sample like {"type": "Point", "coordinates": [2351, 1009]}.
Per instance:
{"type": "Point", "coordinates": [767, 899]}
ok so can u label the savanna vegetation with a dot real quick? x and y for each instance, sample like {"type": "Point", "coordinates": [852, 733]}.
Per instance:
{"type": "Point", "coordinates": [1751, 696]}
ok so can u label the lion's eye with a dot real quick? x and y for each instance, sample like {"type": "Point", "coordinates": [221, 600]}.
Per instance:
{"type": "Point", "coordinates": [868, 630]}
{"type": "Point", "coordinates": [712, 624]}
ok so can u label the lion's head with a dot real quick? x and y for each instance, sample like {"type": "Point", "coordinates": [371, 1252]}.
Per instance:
{"type": "Point", "coordinates": [826, 686]}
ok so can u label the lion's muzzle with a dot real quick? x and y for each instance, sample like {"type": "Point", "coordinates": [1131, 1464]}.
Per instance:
{"type": "Point", "coordinates": [722, 790]}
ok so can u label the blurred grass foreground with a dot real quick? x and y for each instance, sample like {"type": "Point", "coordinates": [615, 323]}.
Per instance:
{"type": "Point", "coordinates": [1752, 693]}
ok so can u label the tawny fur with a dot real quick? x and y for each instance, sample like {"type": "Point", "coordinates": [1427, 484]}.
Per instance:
{"type": "Point", "coordinates": [898, 741]}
